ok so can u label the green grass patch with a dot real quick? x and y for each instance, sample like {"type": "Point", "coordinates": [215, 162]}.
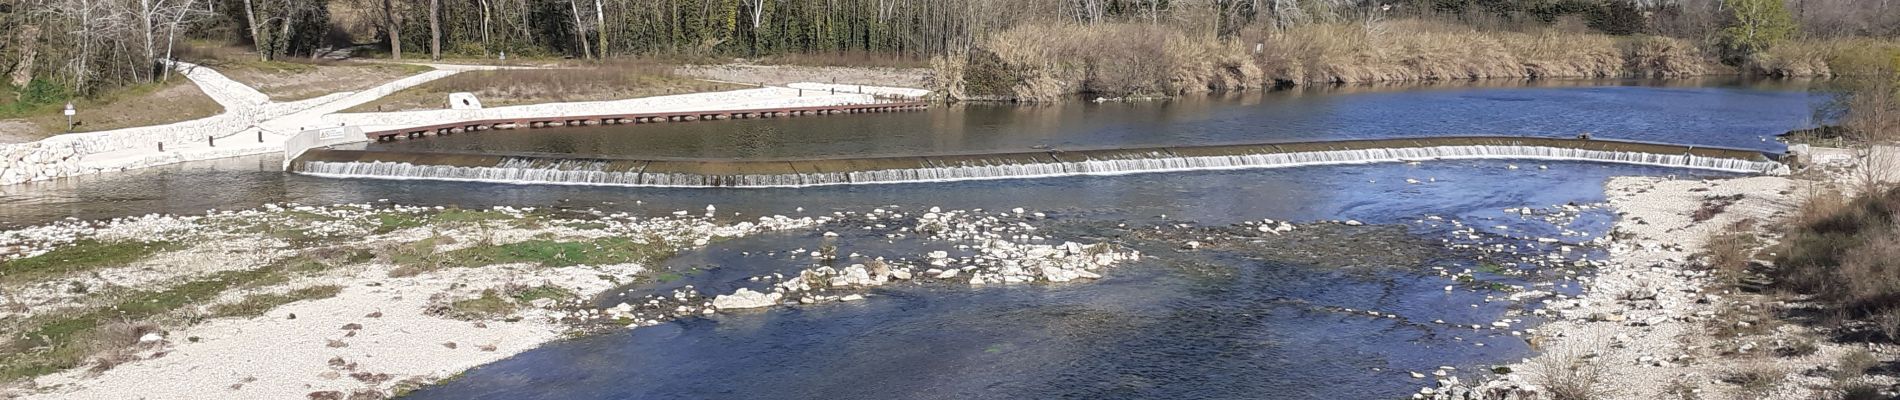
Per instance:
{"type": "Point", "coordinates": [667, 276]}
{"type": "Point", "coordinates": [81, 256]}
{"type": "Point", "coordinates": [258, 304]}
{"type": "Point", "coordinates": [386, 223]}
{"type": "Point", "coordinates": [542, 292]}
{"type": "Point", "coordinates": [1491, 268]}
{"type": "Point", "coordinates": [553, 254]}
{"type": "Point", "coordinates": [52, 343]}
{"type": "Point", "coordinates": [420, 257]}
{"type": "Point", "coordinates": [489, 306]}
{"type": "Point", "coordinates": [460, 215]}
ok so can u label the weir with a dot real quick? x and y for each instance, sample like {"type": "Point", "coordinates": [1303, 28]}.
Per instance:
{"type": "Point", "coordinates": [608, 171]}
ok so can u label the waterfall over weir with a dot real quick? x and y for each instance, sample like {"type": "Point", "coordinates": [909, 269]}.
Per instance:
{"type": "Point", "coordinates": [847, 171]}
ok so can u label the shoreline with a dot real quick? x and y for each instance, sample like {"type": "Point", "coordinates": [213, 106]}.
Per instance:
{"type": "Point", "coordinates": [1654, 322]}
{"type": "Point", "coordinates": [391, 322]}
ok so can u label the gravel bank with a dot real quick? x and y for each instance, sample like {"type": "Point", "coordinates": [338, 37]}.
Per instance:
{"type": "Point", "coordinates": [1647, 319]}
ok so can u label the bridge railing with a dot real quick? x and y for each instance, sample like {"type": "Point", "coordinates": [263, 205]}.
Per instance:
{"type": "Point", "coordinates": [308, 139]}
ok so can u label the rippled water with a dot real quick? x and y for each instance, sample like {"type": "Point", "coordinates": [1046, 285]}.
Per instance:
{"type": "Point", "coordinates": [1178, 325]}
{"type": "Point", "coordinates": [1715, 112]}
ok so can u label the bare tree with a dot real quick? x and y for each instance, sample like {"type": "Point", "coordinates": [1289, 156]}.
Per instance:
{"type": "Point", "coordinates": [580, 28]}
{"type": "Point", "coordinates": [391, 25]}
{"type": "Point", "coordinates": [600, 15]}
{"type": "Point", "coordinates": [28, 37]}
{"type": "Point", "coordinates": [257, 39]}
{"type": "Point", "coordinates": [485, 15]}
{"type": "Point", "coordinates": [435, 29]}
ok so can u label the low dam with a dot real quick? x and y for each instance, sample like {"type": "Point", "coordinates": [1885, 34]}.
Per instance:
{"type": "Point", "coordinates": [762, 173]}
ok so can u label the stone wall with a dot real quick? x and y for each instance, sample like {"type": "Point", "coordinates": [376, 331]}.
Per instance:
{"type": "Point", "coordinates": [63, 155]}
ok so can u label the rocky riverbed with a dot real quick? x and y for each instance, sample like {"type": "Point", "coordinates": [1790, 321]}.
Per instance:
{"type": "Point", "coordinates": [1654, 321]}
{"type": "Point", "coordinates": [369, 300]}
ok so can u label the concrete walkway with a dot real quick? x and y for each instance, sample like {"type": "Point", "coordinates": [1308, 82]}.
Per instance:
{"type": "Point", "coordinates": [257, 125]}
{"type": "Point", "coordinates": [253, 124]}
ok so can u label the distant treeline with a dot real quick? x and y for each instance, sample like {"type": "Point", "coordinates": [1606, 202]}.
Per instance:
{"type": "Point", "coordinates": [81, 45]}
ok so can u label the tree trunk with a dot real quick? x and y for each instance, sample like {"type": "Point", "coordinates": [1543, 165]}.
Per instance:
{"type": "Point", "coordinates": [600, 14]}
{"type": "Point", "coordinates": [257, 41]}
{"type": "Point", "coordinates": [145, 21]}
{"type": "Point", "coordinates": [394, 28]}
{"type": "Point", "coordinates": [283, 40]}
{"type": "Point", "coordinates": [29, 42]}
{"type": "Point", "coordinates": [580, 32]}
{"type": "Point", "coordinates": [435, 29]}
{"type": "Point", "coordinates": [485, 16]}
{"type": "Point", "coordinates": [171, 39]}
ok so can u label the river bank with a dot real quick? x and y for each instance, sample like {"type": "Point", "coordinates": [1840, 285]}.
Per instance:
{"type": "Point", "coordinates": [253, 123]}
{"type": "Point", "coordinates": [364, 301]}
{"type": "Point", "coordinates": [1659, 321]}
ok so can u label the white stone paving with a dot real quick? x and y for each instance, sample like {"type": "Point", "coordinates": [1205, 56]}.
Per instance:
{"type": "Point", "coordinates": [253, 124]}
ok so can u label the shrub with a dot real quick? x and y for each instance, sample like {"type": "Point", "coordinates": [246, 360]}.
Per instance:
{"type": "Point", "coordinates": [1846, 251]}
{"type": "Point", "coordinates": [1730, 250]}
{"type": "Point", "coordinates": [1041, 62]}
{"type": "Point", "coordinates": [1570, 374]}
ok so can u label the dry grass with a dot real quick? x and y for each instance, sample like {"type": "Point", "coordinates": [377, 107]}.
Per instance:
{"type": "Point", "coordinates": [1570, 374]}
{"type": "Point", "coordinates": [1757, 379]}
{"type": "Point", "coordinates": [176, 100]}
{"type": "Point", "coordinates": [1046, 61]}
{"type": "Point", "coordinates": [857, 59]}
{"type": "Point", "coordinates": [291, 79]}
{"type": "Point", "coordinates": [1042, 62]}
{"type": "Point", "coordinates": [1822, 58]}
{"type": "Point", "coordinates": [118, 343]}
{"type": "Point", "coordinates": [1846, 251]}
{"type": "Point", "coordinates": [610, 81]}
{"type": "Point", "coordinates": [1729, 251]}
{"type": "Point", "coordinates": [1413, 50]}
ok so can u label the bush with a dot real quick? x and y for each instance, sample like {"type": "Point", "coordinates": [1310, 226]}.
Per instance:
{"type": "Point", "coordinates": [1846, 251]}
{"type": "Point", "coordinates": [1618, 17]}
{"type": "Point", "coordinates": [1042, 62]}
{"type": "Point", "coordinates": [1570, 374]}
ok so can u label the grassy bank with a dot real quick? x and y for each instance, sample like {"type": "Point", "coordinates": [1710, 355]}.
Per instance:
{"type": "Point", "coordinates": [34, 112]}
{"type": "Point", "coordinates": [1044, 62]}
{"type": "Point", "coordinates": [291, 79]}
{"type": "Point", "coordinates": [595, 82]}
{"type": "Point", "coordinates": [76, 305]}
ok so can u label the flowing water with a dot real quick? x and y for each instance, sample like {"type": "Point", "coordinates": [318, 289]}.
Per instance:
{"type": "Point", "coordinates": [1222, 323]}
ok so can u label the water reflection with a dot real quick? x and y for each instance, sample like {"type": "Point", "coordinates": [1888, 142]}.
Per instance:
{"type": "Point", "coordinates": [1710, 112]}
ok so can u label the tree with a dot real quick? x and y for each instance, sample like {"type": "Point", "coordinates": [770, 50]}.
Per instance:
{"type": "Point", "coordinates": [600, 15]}
{"type": "Point", "coordinates": [580, 29]}
{"type": "Point", "coordinates": [485, 16]}
{"type": "Point", "coordinates": [257, 39]}
{"type": "Point", "coordinates": [391, 26]}
{"type": "Point", "coordinates": [435, 29]}
{"type": "Point", "coordinates": [1755, 25]}
{"type": "Point", "coordinates": [1872, 100]}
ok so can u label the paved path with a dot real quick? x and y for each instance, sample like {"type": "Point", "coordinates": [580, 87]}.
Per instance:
{"type": "Point", "coordinates": [260, 125]}
{"type": "Point", "coordinates": [253, 124]}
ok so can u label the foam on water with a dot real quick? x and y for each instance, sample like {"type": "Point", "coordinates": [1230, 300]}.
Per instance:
{"type": "Point", "coordinates": [591, 172]}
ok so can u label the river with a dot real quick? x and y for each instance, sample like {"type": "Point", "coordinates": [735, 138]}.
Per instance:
{"type": "Point", "coordinates": [1179, 324]}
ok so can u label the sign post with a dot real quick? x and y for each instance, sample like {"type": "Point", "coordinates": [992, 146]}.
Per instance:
{"type": "Point", "coordinates": [69, 116]}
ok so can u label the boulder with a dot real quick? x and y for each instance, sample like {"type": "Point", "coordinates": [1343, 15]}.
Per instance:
{"type": "Point", "coordinates": [746, 298]}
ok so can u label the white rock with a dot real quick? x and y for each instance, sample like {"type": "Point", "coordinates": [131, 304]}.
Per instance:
{"type": "Point", "coordinates": [746, 298]}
